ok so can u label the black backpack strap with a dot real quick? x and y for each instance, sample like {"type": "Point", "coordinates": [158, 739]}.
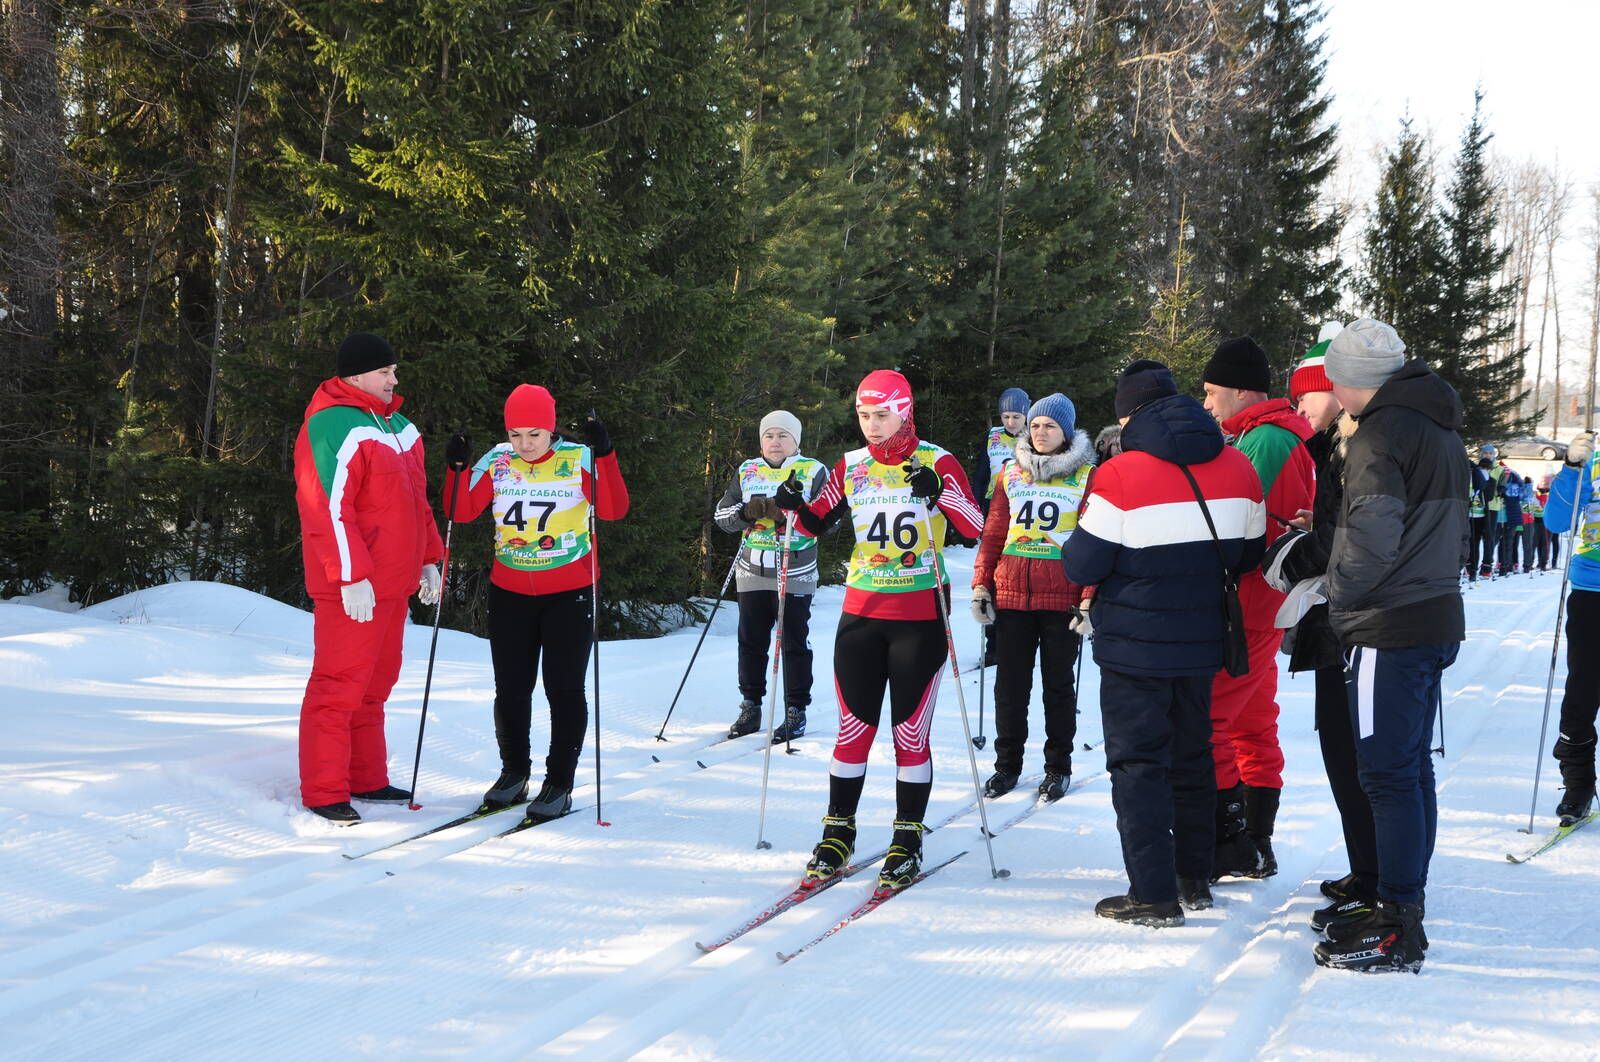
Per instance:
{"type": "Point", "coordinates": [1227, 573]}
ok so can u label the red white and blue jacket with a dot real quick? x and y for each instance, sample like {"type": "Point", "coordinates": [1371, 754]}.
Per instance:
{"type": "Point", "coordinates": [1143, 540]}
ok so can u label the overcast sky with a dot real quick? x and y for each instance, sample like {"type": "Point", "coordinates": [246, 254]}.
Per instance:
{"type": "Point", "coordinates": [1538, 62]}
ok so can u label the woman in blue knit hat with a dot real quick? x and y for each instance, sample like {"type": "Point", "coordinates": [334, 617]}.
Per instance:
{"type": "Point", "coordinates": [1019, 586]}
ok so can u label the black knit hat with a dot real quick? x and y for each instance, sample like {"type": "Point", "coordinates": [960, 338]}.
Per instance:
{"type": "Point", "coordinates": [1142, 383]}
{"type": "Point", "coordinates": [1240, 363]}
{"type": "Point", "coordinates": [364, 352]}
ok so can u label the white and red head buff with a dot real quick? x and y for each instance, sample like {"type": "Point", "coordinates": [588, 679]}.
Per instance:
{"type": "Point", "coordinates": [885, 387]}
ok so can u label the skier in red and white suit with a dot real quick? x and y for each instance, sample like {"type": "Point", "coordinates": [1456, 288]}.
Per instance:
{"type": "Point", "coordinates": [890, 635]}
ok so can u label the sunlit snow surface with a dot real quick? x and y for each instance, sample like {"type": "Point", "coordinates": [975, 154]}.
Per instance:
{"type": "Point", "coordinates": [163, 895]}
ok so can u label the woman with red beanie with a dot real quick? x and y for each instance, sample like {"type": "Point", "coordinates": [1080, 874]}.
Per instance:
{"type": "Point", "coordinates": [890, 635]}
{"type": "Point", "coordinates": [540, 487]}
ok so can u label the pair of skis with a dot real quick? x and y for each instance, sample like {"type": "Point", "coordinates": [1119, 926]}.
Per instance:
{"type": "Point", "coordinates": [1559, 834]}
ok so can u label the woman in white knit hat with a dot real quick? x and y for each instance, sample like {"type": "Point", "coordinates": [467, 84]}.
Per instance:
{"type": "Point", "coordinates": [746, 509]}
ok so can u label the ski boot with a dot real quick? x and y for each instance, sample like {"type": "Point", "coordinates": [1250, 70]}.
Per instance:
{"type": "Point", "coordinates": [1577, 775]}
{"type": "Point", "coordinates": [1353, 908]}
{"type": "Point", "coordinates": [1355, 917]}
{"type": "Point", "coordinates": [904, 861]}
{"type": "Point", "coordinates": [832, 854]}
{"type": "Point", "coordinates": [1261, 815]}
{"type": "Point", "coordinates": [1237, 855]}
{"type": "Point", "coordinates": [1387, 941]}
{"type": "Point", "coordinates": [1344, 888]}
{"type": "Point", "coordinates": [1000, 783]}
{"type": "Point", "coordinates": [510, 788]}
{"type": "Point", "coordinates": [1162, 915]}
{"type": "Point", "coordinates": [387, 795]}
{"type": "Point", "coordinates": [340, 814]}
{"type": "Point", "coordinates": [794, 725]}
{"type": "Point", "coordinates": [552, 802]}
{"type": "Point", "coordinates": [1054, 786]}
{"type": "Point", "coordinates": [1575, 804]}
{"type": "Point", "coordinates": [1194, 894]}
{"type": "Point", "coordinates": [749, 720]}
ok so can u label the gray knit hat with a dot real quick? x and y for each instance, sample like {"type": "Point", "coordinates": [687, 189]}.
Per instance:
{"type": "Point", "coordinates": [1364, 354]}
{"type": "Point", "coordinates": [782, 418]}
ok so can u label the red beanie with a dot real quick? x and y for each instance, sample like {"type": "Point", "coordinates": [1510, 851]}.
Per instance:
{"type": "Point", "coordinates": [885, 387]}
{"type": "Point", "coordinates": [530, 406]}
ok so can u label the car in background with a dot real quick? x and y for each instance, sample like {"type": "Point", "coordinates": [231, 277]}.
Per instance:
{"type": "Point", "coordinates": [1536, 446]}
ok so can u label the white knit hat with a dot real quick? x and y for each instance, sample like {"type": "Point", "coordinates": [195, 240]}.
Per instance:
{"type": "Point", "coordinates": [782, 418]}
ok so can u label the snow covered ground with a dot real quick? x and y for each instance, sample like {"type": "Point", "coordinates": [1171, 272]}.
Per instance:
{"type": "Point", "coordinates": [163, 895]}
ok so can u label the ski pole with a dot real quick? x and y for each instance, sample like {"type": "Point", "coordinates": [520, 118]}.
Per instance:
{"type": "Point", "coordinates": [433, 644]}
{"type": "Point", "coordinates": [980, 740]}
{"type": "Point", "coordinates": [777, 654]}
{"type": "Point", "coordinates": [704, 631]}
{"type": "Point", "coordinates": [1555, 639]}
{"type": "Point", "coordinates": [1438, 695]}
{"type": "Point", "coordinates": [594, 629]}
{"type": "Point", "coordinates": [955, 673]}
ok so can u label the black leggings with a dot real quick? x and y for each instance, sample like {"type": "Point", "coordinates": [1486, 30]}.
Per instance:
{"type": "Point", "coordinates": [1339, 760]}
{"type": "Point", "coordinates": [906, 658]}
{"type": "Point", "coordinates": [521, 626]}
{"type": "Point", "coordinates": [1022, 635]}
{"type": "Point", "coordinates": [1580, 702]}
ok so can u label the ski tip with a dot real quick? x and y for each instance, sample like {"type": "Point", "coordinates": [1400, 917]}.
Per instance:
{"type": "Point", "coordinates": [700, 764]}
{"type": "Point", "coordinates": [703, 949]}
{"type": "Point", "coordinates": [1512, 859]}
{"type": "Point", "coordinates": [347, 855]}
{"type": "Point", "coordinates": [654, 758]}
{"type": "Point", "coordinates": [786, 956]}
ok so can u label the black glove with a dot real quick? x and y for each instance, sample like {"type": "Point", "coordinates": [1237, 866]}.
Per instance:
{"type": "Point", "coordinates": [925, 484]}
{"type": "Point", "coordinates": [458, 452]}
{"type": "Point", "coordinates": [790, 498]}
{"type": "Point", "coordinates": [595, 434]}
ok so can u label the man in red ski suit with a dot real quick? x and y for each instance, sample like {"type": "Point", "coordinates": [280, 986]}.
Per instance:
{"type": "Point", "coordinates": [369, 541]}
{"type": "Point", "coordinates": [1244, 709]}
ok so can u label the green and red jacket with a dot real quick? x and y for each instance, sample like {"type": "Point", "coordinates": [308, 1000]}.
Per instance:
{"type": "Point", "coordinates": [362, 493]}
{"type": "Point", "coordinates": [1272, 435]}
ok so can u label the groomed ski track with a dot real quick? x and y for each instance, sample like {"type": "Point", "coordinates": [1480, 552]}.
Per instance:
{"type": "Point", "coordinates": [187, 914]}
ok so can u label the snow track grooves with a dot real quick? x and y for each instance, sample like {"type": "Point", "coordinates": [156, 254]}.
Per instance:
{"type": "Point", "coordinates": [683, 980]}
{"type": "Point", "coordinates": [1243, 982]}
{"type": "Point", "coordinates": [57, 966]}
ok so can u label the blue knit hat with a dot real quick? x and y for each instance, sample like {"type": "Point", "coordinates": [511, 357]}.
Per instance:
{"type": "Point", "coordinates": [1014, 400]}
{"type": "Point", "coordinates": [1059, 408]}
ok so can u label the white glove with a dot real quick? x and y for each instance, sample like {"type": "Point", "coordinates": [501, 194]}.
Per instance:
{"type": "Point", "coordinates": [982, 606]}
{"type": "Point", "coordinates": [1080, 624]}
{"type": "Point", "coordinates": [359, 600]}
{"type": "Point", "coordinates": [1277, 557]}
{"type": "Point", "coordinates": [428, 592]}
{"type": "Point", "coordinates": [1580, 449]}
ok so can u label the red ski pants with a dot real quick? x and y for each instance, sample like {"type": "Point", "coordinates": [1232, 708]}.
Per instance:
{"type": "Point", "coordinates": [1244, 718]}
{"type": "Point", "coordinates": [353, 668]}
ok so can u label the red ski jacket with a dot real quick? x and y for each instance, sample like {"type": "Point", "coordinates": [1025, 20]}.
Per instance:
{"type": "Point", "coordinates": [1272, 435]}
{"type": "Point", "coordinates": [362, 492]}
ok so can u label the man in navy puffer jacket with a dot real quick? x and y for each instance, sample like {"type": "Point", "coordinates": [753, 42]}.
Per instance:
{"type": "Point", "coordinates": [1158, 624]}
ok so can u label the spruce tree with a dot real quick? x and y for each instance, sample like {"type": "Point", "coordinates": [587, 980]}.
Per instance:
{"type": "Point", "coordinates": [1477, 354]}
{"type": "Point", "coordinates": [1401, 280]}
{"type": "Point", "coordinates": [1277, 273]}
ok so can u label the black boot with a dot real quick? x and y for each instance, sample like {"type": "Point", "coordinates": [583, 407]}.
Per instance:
{"type": "Point", "coordinates": [832, 853]}
{"type": "Point", "coordinates": [1344, 888]}
{"type": "Point", "coordinates": [1128, 909]}
{"type": "Point", "coordinates": [1194, 894]}
{"type": "Point", "coordinates": [794, 725]}
{"type": "Point", "coordinates": [1237, 856]}
{"type": "Point", "coordinates": [340, 814]}
{"type": "Point", "coordinates": [387, 795]}
{"type": "Point", "coordinates": [1000, 783]}
{"type": "Point", "coordinates": [1388, 941]}
{"type": "Point", "coordinates": [1340, 912]}
{"type": "Point", "coordinates": [1260, 815]}
{"type": "Point", "coordinates": [510, 788]}
{"type": "Point", "coordinates": [749, 720]}
{"type": "Point", "coordinates": [904, 861]}
{"type": "Point", "coordinates": [1577, 775]}
{"type": "Point", "coordinates": [552, 802]}
{"type": "Point", "coordinates": [1343, 922]}
{"type": "Point", "coordinates": [1054, 786]}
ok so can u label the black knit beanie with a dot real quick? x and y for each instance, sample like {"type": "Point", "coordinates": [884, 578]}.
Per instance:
{"type": "Point", "coordinates": [1141, 383]}
{"type": "Point", "coordinates": [364, 352]}
{"type": "Point", "coordinates": [1239, 363]}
